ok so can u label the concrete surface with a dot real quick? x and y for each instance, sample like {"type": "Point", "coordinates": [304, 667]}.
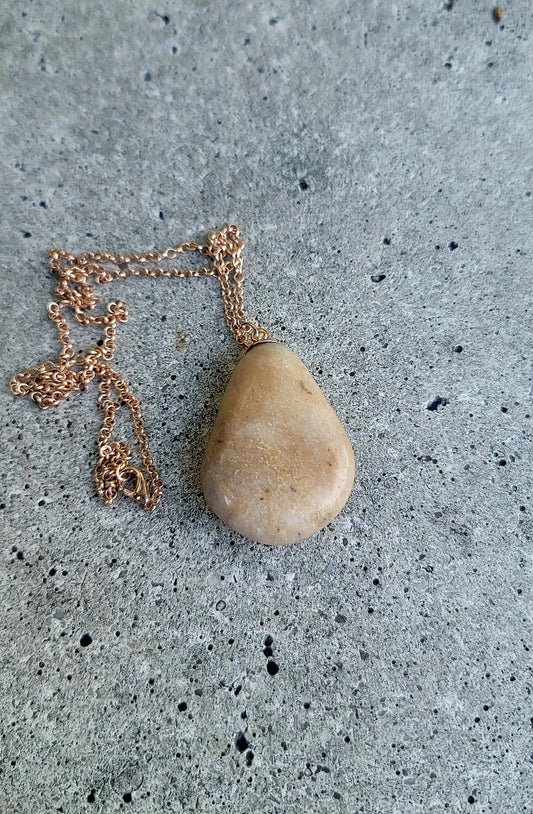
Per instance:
{"type": "Point", "coordinates": [348, 140]}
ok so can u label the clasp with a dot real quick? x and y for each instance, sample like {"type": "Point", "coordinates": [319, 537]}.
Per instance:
{"type": "Point", "coordinates": [138, 488]}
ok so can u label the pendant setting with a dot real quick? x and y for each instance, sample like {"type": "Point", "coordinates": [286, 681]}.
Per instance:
{"type": "Point", "coordinates": [278, 465]}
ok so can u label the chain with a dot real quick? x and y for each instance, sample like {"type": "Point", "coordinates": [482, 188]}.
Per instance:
{"type": "Point", "coordinates": [54, 381]}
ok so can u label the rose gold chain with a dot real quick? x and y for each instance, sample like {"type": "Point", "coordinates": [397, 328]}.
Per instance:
{"type": "Point", "coordinates": [53, 381]}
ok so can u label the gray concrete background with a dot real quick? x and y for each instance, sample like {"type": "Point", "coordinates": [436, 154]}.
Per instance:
{"type": "Point", "coordinates": [346, 140]}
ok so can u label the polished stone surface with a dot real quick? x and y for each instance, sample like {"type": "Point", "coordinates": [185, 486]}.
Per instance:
{"type": "Point", "coordinates": [278, 465]}
{"type": "Point", "coordinates": [376, 157]}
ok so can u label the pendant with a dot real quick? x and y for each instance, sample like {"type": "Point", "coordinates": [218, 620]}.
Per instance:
{"type": "Point", "coordinates": [278, 466]}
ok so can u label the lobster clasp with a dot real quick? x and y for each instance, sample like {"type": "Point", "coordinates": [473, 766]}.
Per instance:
{"type": "Point", "coordinates": [133, 484]}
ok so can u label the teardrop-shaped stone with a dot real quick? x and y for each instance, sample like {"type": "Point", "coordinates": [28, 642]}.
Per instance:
{"type": "Point", "coordinates": [278, 464]}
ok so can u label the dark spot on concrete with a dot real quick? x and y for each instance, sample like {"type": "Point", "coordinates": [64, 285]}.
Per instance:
{"type": "Point", "coordinates": [249, 757]}
{"type": "Point", "coordinates": [438, 401]}
{"type": "Point", "coordinates": [386, 241]}
{"type": "Point", "coordinates": [458, 349]}
{"type": "Point", "coordinates": [90, 797]}
{"type": "Point", "coordinates": [340, 618]}
{"type": "Point", "coordinates": [85, 640]}
{"type": "Point", "coordinates": [471, 799]}
{"type": "Point", "coordinates": [303, 183]}
{"type": "Point", "coordinates": [502, 462]}
{"type": "Point", "coordinates": [182, 706]}
{"type": "Point", "coordinates": [267, 651]}
{"type": "Point", "coordinates": [503, 409]}
{"type": "Point", "coordinates": [272, 668]}
{"type": "Point", "coordinates": [268, 640]}
{"type": "Point", "coordinates": [452, 245]}
{"type": "Point", "coordinates": [377, 278]}
{"type": "Point", "coordinates": [127, 797]}
{"type": "Point", "coordinates": [148, 76]}
{"type": "Point", "coordinates": [240, 742]}
{"type": "Point", "coordinates": [26, 234]}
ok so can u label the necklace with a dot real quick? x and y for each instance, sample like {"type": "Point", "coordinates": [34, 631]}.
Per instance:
{"type": "Point", "coordinates": [278, 465]}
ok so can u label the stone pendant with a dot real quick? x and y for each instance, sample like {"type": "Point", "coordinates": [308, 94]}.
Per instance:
{"type": "Point", "coordinates": [278, 465]}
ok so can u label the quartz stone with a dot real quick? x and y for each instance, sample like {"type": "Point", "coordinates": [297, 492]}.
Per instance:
{"type": "Point", "coordinates": [278, 464]}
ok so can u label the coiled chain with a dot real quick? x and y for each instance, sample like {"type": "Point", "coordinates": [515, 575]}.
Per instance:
{"type": "Point", "coordinates": [54, 381]}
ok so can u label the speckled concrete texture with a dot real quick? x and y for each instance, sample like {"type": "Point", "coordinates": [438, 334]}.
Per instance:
{"type": "Point", "coordinates": [377, 157]}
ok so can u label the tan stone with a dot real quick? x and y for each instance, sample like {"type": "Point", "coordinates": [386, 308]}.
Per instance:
{"type": "Point", "coordinates": [278, 464]}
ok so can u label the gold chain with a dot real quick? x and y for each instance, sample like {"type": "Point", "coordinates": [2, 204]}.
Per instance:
{"type": "Point", "coordinates": [53, 381]}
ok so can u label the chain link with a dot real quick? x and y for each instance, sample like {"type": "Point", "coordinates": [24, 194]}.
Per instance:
{"type": "Point", "coordinates": [54, 381]}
